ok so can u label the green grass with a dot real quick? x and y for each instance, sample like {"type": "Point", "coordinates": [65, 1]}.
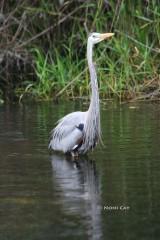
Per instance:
{"type": "Point", "coordinates": [127, 65]}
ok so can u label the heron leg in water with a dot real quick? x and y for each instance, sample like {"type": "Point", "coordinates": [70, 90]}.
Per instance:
{"type": "Point", "coordinates": [74, 154]}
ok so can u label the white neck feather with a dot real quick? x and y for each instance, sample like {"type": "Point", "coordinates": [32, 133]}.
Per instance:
{"type": "Point", "coordinates": [92, 128]}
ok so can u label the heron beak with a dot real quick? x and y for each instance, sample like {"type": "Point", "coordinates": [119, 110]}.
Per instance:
{"type": "Point", "coordinates": [106, 35]}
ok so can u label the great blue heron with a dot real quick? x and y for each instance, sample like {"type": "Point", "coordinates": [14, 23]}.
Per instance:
{"type": "Point", "coordinates": [79, 132]}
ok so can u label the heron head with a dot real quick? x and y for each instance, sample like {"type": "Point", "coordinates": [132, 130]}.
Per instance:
{"type": "Point", "coordinates": [98, 37]}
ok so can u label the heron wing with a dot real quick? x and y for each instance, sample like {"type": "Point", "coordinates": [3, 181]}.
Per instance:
{"type": "Point", "coordinates": [66, 134]}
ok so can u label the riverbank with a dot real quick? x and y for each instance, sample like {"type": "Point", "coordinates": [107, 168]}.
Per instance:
{"type": "Point", "coordinates": [43, 49]}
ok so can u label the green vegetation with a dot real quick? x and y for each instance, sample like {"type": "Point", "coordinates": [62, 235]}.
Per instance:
{"type": "Point", "coordinates": [50, 39]}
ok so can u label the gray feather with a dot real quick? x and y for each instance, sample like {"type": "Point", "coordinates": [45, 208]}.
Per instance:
{"type": "Point", "coordinates": [66, 134]}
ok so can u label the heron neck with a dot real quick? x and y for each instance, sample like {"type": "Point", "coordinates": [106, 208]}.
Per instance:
{"type": "Point", "coordinates": [92, 125]}
{"type": "Point", "coordinates": [93, 75]}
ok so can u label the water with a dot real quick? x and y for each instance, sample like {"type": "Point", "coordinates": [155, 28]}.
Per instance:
{"type": "Point", "coordinates": [114, 193]}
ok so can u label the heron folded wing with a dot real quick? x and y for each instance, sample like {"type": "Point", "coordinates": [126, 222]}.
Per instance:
{"type": "Point", "coordinates": [67, 142]}
{"type": "Point", "coordinates": [68, 132]}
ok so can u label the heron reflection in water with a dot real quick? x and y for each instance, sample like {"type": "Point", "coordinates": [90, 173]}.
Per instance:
{"type": "Point", "coordinates": [78, 190]}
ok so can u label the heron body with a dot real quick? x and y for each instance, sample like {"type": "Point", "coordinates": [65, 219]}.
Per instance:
{"type": "Point", "coordinates": [79, 132]}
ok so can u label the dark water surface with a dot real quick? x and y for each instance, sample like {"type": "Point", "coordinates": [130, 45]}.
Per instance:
{"type": "Point", "coordinates": [113, 194]}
